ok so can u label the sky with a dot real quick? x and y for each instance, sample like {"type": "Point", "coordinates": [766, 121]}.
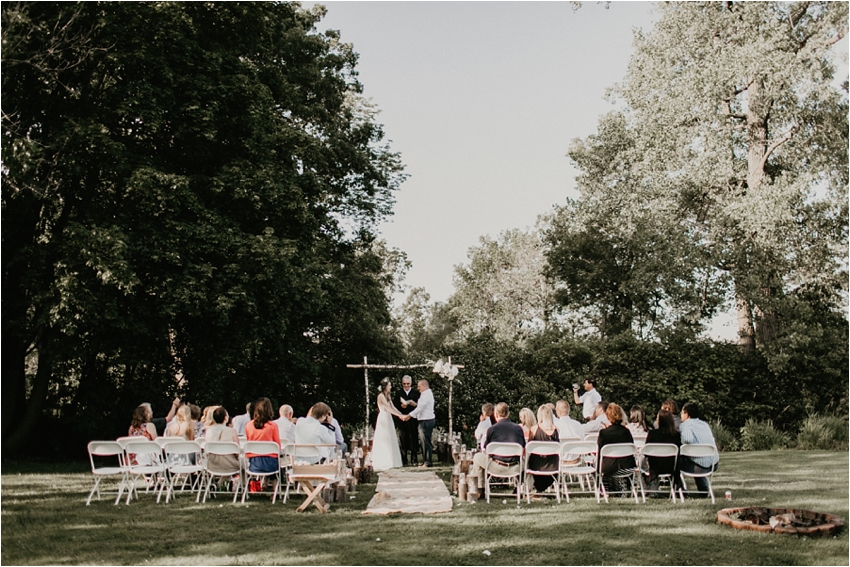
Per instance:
{"type": "Point", "coordinates": [482, 100]}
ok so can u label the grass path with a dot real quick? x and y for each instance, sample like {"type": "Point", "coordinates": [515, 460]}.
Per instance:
{"type": "Point", "coordinates": [45, 521]}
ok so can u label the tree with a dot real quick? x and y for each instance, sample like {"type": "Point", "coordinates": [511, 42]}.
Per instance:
{"type": "Point", "coordinates": [732, 140]}
{"type": "Point", "coordinates": [187, 189]}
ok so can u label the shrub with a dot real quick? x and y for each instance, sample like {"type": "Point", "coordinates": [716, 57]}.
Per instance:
{"type": "Point", "coordinates": [823, 432]}
{"type": "Point", "coordinates": [723, 436]}
{"type": "Point", "coordinates": [762, 436]}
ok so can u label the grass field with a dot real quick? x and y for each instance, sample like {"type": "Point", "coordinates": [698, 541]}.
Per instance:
{"type": "Point", "coordinates": [45, 521]}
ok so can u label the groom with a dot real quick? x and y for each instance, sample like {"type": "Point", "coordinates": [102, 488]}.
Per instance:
{"type": "Point", "coordinates": [405, 400]}
{"type": "Point", "coordinates": [424, 413]}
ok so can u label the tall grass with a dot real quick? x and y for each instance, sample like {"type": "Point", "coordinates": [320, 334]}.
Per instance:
{"type": "Point", "coordinates": [763, 436]}
{"type": "Point", "coordinates": [724, 438]}
{"type": "Point", "coordinates": [823, 432]}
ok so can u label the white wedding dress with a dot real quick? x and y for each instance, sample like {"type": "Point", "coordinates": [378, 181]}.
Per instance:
{"type": "Point", "coordinates": [385, 451]}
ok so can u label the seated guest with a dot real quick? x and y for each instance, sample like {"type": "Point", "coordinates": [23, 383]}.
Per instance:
{"type": "Point", "coordinates": [285, 424]}
{"type": "Point", "coordinates": [638, 424]}
{"type": "Point", "coordinates": [311, 430]}
{"type": "Point", "coordinates": [504, 431]}
{"type": "Point", "coordinates": [218, 431]}
{"type": "Point", "coordinates": [545, 430]}
{"type": "Point", "coordinates": [262, 428]}
{"type": "Point", "coordinates": [694, 431]}
{"type": "Point", "coordinates": [200, 427]}
{"type": "Point", "coordinates": [671, 406]}
{"type": "Point", "coordinates": [567, 426]}
{"type": "Point", "coordinates": [337, 431]}
{"type": "Point", "coordinates": [207, 417]}
{"type": "Point", "coordinates": [241, 420]}
{"type": "Point", "coordinates": [485, 422]}
{"type": "Point", "coordinates": [614, 433]}
{"type": "Point", "coordinates": [527, 421]}
{"type": "Point", "coordinates": [664, 433]}
{"type": "Point", "coordinates": [182, 425]}
{"type": "Point", "coordinates": [141, 427]}
{"type": "Point", "coordinates": [161, 422]}
{"type": "Point", "coordinates": [599, 419]}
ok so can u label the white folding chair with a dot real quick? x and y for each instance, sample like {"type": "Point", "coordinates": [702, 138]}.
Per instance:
{"type": "Point", "coordinates": [592, 437]}
{"type": "Point", "coordinates": [496, 452]}
{"type": "Point", "coordinates": [166, 439]}
{"type": "Point", "coordinates": [639, 440]}
{"type": "Point", "coordinates": [542, 449]}
{"type": "Point", "coordinates": [659, 451]}
{"type": "Point", "coordinates": [287, 459]}
{"type": "Point", "coordinates": [616, 451]}
{"type": "Point", "coordinates": [261, 448]}
{"type": "Point", "coordinates": [117, 467]}
{"type": "Point", "coordinates": [234, 475]}
{"type": "Point", "coordinates": [183, 460]}
{"type": "Point", "coordinates": [693, 452]}
{"type": "Point", "coordinates": [149, 465]}
{"type": "Point", "coordinates": [577, 460]}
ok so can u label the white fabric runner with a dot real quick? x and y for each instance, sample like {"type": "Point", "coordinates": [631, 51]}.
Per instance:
{"type": "Point", "coordinates": [409, 492]}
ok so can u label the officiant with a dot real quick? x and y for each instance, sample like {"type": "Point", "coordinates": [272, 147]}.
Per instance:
{"type": "Point", "coordinates": [405, 400]}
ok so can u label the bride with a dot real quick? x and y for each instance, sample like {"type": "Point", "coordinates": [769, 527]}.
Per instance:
{"type": "Point", "coordinates": [385, 451]}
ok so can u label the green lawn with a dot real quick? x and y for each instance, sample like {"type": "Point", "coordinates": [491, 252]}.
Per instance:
{"type": "Point", "coordinates": [45, 521]}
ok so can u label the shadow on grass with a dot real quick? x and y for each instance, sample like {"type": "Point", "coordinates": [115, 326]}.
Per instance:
{"type": "Point", "coordinates": [45, 522]}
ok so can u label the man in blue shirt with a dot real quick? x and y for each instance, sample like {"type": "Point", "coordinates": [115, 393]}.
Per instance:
{"type": "Point", "coordinates": [695, 431]}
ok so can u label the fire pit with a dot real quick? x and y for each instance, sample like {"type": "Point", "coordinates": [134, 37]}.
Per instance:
{"type": "Point", "coordinates": [780, 520]}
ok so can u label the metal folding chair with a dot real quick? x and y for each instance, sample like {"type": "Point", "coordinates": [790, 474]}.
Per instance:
{"type": "Point", "coordinates": [117, 468]}
{"type": "Point", "coordinates": [514, 472]}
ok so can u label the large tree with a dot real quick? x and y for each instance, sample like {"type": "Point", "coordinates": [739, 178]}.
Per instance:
{"type": "Point", "coordinates": [732, 139]}
{"type": "Point", "coordinates": [187, 189]}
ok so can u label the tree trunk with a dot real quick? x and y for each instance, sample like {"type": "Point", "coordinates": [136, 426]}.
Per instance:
{"type": "Point", "coordinates": [19, 431]}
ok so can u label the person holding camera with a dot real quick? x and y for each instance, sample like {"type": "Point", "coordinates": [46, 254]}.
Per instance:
{"type": "Point", "coordinates": [589, 399]}
{"type": "Point", "coordinates": [314, 430]}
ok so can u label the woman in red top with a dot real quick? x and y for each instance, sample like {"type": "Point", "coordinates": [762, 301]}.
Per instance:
{"type": "Point", "coordinates": [262, 428]}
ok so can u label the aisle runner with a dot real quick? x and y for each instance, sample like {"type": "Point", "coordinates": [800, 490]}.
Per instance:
{"type": "Point", "coordinates": [408, 492]}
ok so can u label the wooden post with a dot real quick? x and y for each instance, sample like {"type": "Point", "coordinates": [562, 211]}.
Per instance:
{"type": "Point", "coordinates": [366, 379]}
{"type": "Point", "coordinates": [451, 381]}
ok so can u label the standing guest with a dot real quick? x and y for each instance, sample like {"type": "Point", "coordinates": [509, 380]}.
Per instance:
{"type": "Point", "coordinates": [161, 422]}
{"type": "Point", "coordinates": [505, 431]}
{"type": "Point", "coordinates": [262, 428]}
{"type": "Point", "coordinates": [405, 400]}
{"type": "Point", "coordinates": [423, 412]}
{"type": "Point", "coordinates": [600, 419]}
{"type": "Point", "coordinates": [638, 424]}
{"type": "Point", "coordinates": [695, 431]}
{"type": "Point", "coordinates": [311, 430]}
{"type": "Point", "coordinates": [589, 399]}
{"type": "Point", "coordinates": [544, 430]}
{"type": "Point", "coordinates": [665, 433]}
{"type": "Point", "coordinates": [568, 428]}
{"type": "Point", "coordinates": [285, 424]}
{"type": "Point", "coordinates": [671, 406]}
{"type": "Point", "coordinates": [527, 421]}
{"type": "Point", "coordinates": [614, 433]}
{"type": "Point", "coordinates": [485, 422]}
{"type": "Point", "coordinates": [218, 431]}
{"type": "Point", "coordinates": [200, 427]}
{"type": "Point", "coordinates": [240, 421]}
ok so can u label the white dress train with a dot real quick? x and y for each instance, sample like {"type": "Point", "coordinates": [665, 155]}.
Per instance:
{"type": "Point", "coordinates": [385, 452]}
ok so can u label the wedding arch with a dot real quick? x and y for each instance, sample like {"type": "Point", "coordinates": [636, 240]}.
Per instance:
{"type": "Point", "coordinates": [445, 369]}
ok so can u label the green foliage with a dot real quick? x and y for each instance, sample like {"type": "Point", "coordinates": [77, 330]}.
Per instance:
{"type": "Point", "coordinates": [187, 189]}
{"type": "Point", "coordinates": [762, 436]}
{"type": "Point", "coordinates": [823, 432]}
{"type": "Point", "coordinates": [723, 436]}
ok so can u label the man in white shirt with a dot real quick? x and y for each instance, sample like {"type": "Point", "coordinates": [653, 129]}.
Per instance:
{"type": "Point", "coordinates": [240, 421]}
{"type": "Point", "coordinates": [424, 413]}
{"type": "Point", "coordinates": [589, 399]}
{"type": "Point", "coordinates": [285, 424]}
{"type": "Point", "coordinates": [599, 421]}
{"type": "Point", "coordinates": [567, 426]}
{"type": "Point", "coordinates": [485, 422]}
{"type": "Point", "coordinates": [311, 430]}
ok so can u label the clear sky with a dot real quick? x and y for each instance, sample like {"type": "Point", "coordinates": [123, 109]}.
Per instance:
{"type": "Point", "coordinates": [482, 99]}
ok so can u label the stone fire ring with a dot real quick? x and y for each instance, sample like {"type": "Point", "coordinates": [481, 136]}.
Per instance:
{"type": "Point", "coordinates": [827, 523]}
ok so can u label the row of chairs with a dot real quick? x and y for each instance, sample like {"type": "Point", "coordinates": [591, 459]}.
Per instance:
{"type": "Point", "coordinates": [171, 465]}
{"type": "Point", "coordinates": [579, 463]}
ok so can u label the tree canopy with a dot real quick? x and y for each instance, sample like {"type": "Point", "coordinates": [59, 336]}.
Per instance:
{"type": "Point", "coordinates": [188, 189]}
